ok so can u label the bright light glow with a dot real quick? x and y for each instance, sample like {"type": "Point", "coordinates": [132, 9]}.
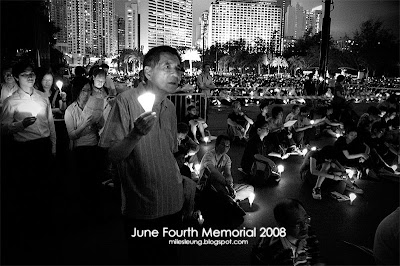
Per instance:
{"type": "Point", "coordinates": [312, 122]}
{"type": "Point", "coordinates": [200, 219]}
{"type": "Point", "coordinates": [350, 172]}
{"type": "Point", "coordinates": [146, 100]}
{"type": "Point", "coordinates": [337, 135]}
{"type": "Point", "coordinates": [206, 139]}
{"type": "Point", "coordinates": [304, 151]}
{"type": "Point", "coordinates": [394, 167]}
{"type": "Point", "coordinates": [313, 148]}
{"type": "Point", "coordinates": [197, 167]}
{"type": "Point", "coordinates": [59, 85]}
{"type": "Point", "coordinates": [281, 168]}
{"type": "Point", "coordinates": [252, 196]}
{"type": "Point", "coordinates": [30, 108]}
{"type": "Point", "coordinates": [352, 197]}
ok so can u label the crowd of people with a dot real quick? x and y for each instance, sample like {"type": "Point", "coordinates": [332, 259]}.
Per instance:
{"type": "Point", "coordinates": [153, 159]}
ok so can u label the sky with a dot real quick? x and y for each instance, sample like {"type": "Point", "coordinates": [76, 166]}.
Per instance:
{"type": "Point", "coordinates": [346, 16]}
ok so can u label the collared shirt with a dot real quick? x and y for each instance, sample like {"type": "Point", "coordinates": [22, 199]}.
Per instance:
{"type": "Point", "coordinates": [6, 91]}
{"type": "Point", "coordinates": [150, 177]}
{"type": "Point", "coordinates": [210, 158]}
{"type": "Point", "coordinates": [204, 80]}
{"type": "Point", "coordinates": [21, 105]}
{"type": "Point", "coordinates": [73, 118]}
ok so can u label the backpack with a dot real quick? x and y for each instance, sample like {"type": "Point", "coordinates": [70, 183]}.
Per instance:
{"type": "Point", "coordinates": [262, 170]}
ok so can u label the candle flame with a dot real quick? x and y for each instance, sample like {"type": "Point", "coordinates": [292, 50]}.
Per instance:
{"type": "Point", "coordinates": [146, 100]}
{"type": "Point", "coordinates": [252, 196]}
{"type": "Point", "coordinates": [59, 84]}
{"type": "Point", "coordinates": [281, 168]}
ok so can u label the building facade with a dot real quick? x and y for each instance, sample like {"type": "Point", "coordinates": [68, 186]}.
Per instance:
{"type": "Point", "coordinates": [245, 19]}
{"type": "Point", "coordinates": [165, 22]}
{"type": "Point", "coordinates": [295, 22]}
{"type": "Point", "coordinates": [131, 25]}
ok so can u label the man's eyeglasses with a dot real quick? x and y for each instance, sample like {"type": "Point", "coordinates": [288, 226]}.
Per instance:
{"type": "Point", "coordinates": [28, 75]}
{"type": "Point", "coordinates": [8, 75]}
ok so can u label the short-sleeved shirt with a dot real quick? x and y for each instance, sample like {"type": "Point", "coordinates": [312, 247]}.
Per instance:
{"type": "Point", "coordinates": [150, 177]}
{"type": "Point", "coordinates": [307, 161]}
{"type": "Point", "coordinates": [210, 158]}
{"type": "Point", "coordinates": [238, 118]}
{"type": "Point", "coordinates": [254, 146]}
{"type": "Point", "coordinates": [189, 117]}
{"type": "Point", "coordinates": [290, 116]}
{"type": "Point", "coordinates": [340, 146]}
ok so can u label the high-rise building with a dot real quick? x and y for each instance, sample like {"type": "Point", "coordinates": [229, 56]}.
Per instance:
{"type": "Point", "coordinates": [58, 15]}
{"type": "Point", "coordinates": [295, 22]}
{"type": "Point", "coordinates": [91, 29]}
{"type": "Point", "coordinates": [284, 4]}
{"type": "Point", "coordinates": [165, 22]}
{"type": "Point", "coordinates": [121, 33]}
{"type": "Point", "coordinates": [201, 37]}
{"type": "Point", "coordinates": [245, 19]}
{"type": "Point", "coordinates": [314, 19]}
{"type": "Point", "coordinates": [131, 25]}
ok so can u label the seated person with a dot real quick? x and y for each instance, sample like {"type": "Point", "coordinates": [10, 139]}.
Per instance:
{"type": "Point", "coordinates": [348, 152]}
{"type": "Point", "coordinates": [389, 119]}
{"type": "Point", "coordinates": [297, 247]}
{"type": "Point", "coordinates": [219, 177]}
{"type": "Point", "coordinates": [302, 130]}
{"type": "Point", "coordinates": [257, 145]}
{"type": "Point", "coordinates": [238, 122]}
{"type": "Point", "coordinates": [293, 114]}
{"type": "Point", "coordinates": [366, 120]}
{"type": "Point", "coordinates": [330, 125]}
{"type": "Point", "coordinates": [383, 154]}
{"type": "Point", "coordinates": [195, 121]}
{"type": "Point", "coordinates": [278, 132]}
{"type": "Point", "coordinates": [321, 164]}
{"type": "Point", "coordinates": [183, 168]}
{"type": "Point", "coordinates": [186, 144]}
{"type": "Point", "coordinates": [263, 116]}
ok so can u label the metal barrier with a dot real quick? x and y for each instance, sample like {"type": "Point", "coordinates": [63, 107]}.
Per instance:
{"type": "Point", "coordinates": [183, 100]}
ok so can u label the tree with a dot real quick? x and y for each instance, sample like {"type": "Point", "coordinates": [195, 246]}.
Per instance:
{"type": "Point", "coordinates": [295, 62]}
{"type": "Point", "coordinates": [279, 62]}
{"type": "Point", "coordinates": [191, 55]}
{"type": "Point", "coordinates": [267, 60]}
{"type": "Point", "coordinates": [375, 47]}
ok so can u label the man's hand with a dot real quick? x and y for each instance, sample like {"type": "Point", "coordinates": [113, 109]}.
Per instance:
{"type": "Point", "coordinates": [143, 124]}
{"type": "Point", "coordinates": [28, 121]}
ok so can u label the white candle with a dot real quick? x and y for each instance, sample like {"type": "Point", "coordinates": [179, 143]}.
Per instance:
{"type": "Point", "coordinates": [59, 85]}
{"type": "Point", "coordinates": [146, 100]}
{"type": "Point", "coordinates": [252, 196]}
{"type": "Point", "coordinates": [314, 148]}
{"type": "Point", "coordinates": [281, 168]}
{"type": "Point", "coordinates": [352, 197]}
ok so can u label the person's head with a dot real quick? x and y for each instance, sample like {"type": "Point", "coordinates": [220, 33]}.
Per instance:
{"type": "Point", "coordinates": [191, 109]}
{"type": "Point", "coordinates": [162, 68]}
{"type": "Point", "coordinates": [295, 109]}
{"type": "Point", "coordinates": [183, 130]}
{"type": "Point", "coordinates": [99, 77]}
{"type": "Point", "coordinates": [83, 93]}
{"type": "Point", "coordinates": [262, 127]}
{"type": "Point", "coordinates": [8, 76]}
{"type": "Point", "coordinates": [80, 71]}
{"type": "Point", "coordinates": [236, 106]}
{"type": "Point", "coordinates": [222, 144]}
{"type": "Point", "coordinates": [329, 110]}
{"type": "Point", "coordinates": [105, 67]}
{"type": "Point", "coordinates": [351, 133]}
{"type": "Point", "coordinates": [304, 111]}
{"type": "Point", "coordinates": [277, 112]}
{"type": "Point", "coordinates": [378, 129]}
{"type": "Point", "coordinates": [291, 214]}
{"type": "Point", "coordinates": [340, 78]}
{"type": "Point", "coordinates": [374, 112]}
{"type": "Point", "coordinates": [24, 74]}
{"type": "Point", "coordinates": [264, 107]}
{"type": "Point", "coordinates": [206, 68]}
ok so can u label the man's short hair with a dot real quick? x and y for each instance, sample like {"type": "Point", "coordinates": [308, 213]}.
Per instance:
{"type": "Point", "coordinates": [206, 64]}
{"type": "Point", "coordinates": [304, 109]}
{"type": "Point", "coordinates": [234, 103]}
{"type": "Point", "coordinates": [183, 128]}
{"type": "Point", "coordinates": [373, 110]}
{"type": "Point", "coordinates": [340, 78]}
{"type": "Point", "coordinates": [260, 123]}
{"type": "Point", "coordinates": [190, 107]}
{"type": "Point", "coordinates": [263, 104]}
{"type": "Point", "coordinates": [105, 66]}
{"type": "Point", "coordinates": [284, 210]}
{"type": "Point", "coordinates": [294, 107]}
{"type": "Point", "coordinates": [221, 138]}
{"type": "Point", "coordinates": [275, 111]}
{"type": "Point", "coordinates": [152, 57]}
{"type": "Point", "coordinates": [377, 126]}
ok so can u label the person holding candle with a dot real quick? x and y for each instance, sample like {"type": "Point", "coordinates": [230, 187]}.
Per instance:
{"type": "Point", "coordinates": [297, 246]}
{"type": "Point", "coordinates": [83, 133]}
{"type": "Point", "coordinates": [186, 144]}
{"type": "Point", "coordinates": [142, 144]}
{"type": "Point", "coordinates": [58, 98]}
{"type": "Point", "coordinates": [27, 117]}
{"type": "Point", "coordinates": [238, 122]}
{"type": "Point", "coordinates": [195, 121]}
{"type": "Point", "coordinates": [321, 165]}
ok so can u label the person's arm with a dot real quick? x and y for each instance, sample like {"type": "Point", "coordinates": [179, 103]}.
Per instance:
{"type": "Point", "coordinates": [233, 123]}
{"type": "Point", "coordinates": [334, 124]}
{"type": "Point", "coordinates": [354, 156]}
{"type": "Point", "coordinates": [314, 171]}
{"type": "Point", "coordinates": [52, 128]}
{"type": "Point", "coordinates": [392, 149]}
{"type": "Point", "coordinates": [298, 129]}
{"type": "Point", "coordinates": [142, 126]}
{"type": "Point", "coordinates": [193, 146]}
{"type": "Point", "coordinates": [76, 133]}
{"type": "Point", "coordinates": [248, 119]}
{"type": "Point", "coordinates": [8, 125]}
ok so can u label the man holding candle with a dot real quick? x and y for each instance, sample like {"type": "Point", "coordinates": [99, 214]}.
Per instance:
{"type": "Point", "coordinates": [142, 145]}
